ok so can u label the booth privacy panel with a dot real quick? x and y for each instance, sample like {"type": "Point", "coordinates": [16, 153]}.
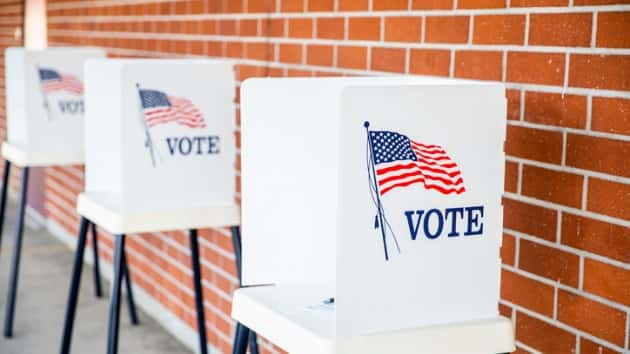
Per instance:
{"type": "Point", "coordinates": [44, 95]}
{"type": "Point", "coordinates": [161, 133]}
{"type": "Point", "coordinates": [419, 216]}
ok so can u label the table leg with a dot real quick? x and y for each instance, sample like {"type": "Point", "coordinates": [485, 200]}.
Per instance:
{"type": "Point", "coordinates": [243, 335]}
{"type": "Point", "coordinates": [97, 264]}
{"type": "Point", "coordinates": [75, 283]}
{"type": "Point", "coordinates": [15, 262]}
{"type": "Point", "coordinates": [131, 304]}
{"type": "Point", "coordinates": [3, 197]}
{"type": "Point", "coordinates": [201, 318]}
{"type": "Point", "coordinates": [114, 306]}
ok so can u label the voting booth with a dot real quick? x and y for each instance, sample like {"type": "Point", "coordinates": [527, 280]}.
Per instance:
{"type": "Point", "coordinates": [372, 216]}
{"type": "Point", "coordinates": [160, 155]}
{"type": "Point", "coordinates": [160, 134]}
{"type": "Point", "coordinates": [45, 107]}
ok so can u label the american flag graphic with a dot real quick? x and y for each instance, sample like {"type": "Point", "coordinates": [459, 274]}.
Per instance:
{"type": "Point", "coordinates": [160, 108]}
{"type": "Point", "coordinates": [400, 162]}
{"type": "Point", "coordinates": [53, 81]}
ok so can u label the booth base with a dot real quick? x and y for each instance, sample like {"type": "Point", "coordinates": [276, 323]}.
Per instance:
{"type": "Point", "coordinates": [103, 210]}
{"type": "Point", "coordinates": [291, 319]}
{"type": "Point", "coordinates": [23, 156]}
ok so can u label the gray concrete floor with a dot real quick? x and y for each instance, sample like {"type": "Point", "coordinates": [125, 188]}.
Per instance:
{"type": "Point", "coordinates": [43, 289]}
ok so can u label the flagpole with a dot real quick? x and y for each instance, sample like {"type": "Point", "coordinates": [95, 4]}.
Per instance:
{"type": "Point", "coordinates": [379, 207]}
{"type": "Point", "coordinates": [149, 141]}
{"type": "Point", "coordinates": [41, 89]}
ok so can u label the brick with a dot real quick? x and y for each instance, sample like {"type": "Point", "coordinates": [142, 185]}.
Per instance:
{"type": "Point", "coordinates": [291, 53]}
{"type": "Point", "coordinates": [607, 281]}
{"type": "Point", "coordinates": [549, 262]}
{"type": "Point", "coordinates": [534, 144]}
{"type": "Point", "coordinates": [352, 57]}
{"type": "Point", "coordinates": [609, 198]}
{"type": "Point", "coordinates": [513, 104]}
{"type": "Point", "coordinates": [300, 28]}
{"type": "Point", "coordinates": [431, 4]}
{"type": "Point", "coordinates": [535, 68]}
{"type": "Point", "coordinates": [403, 29]}
{"type": "Point", "coordinates": [321, 5]}
{"type": "Point", "coordinates": [600, 2]}
{"type": "Point", "coordinates": [600, 71]}
{"type": "Point", "coordinates": [598, 154]}
{"type": "Point", "coordinates": [259, 51]}
{"type": "Point", "coordinates": [569, 30]}
{"type": "Point", "coordinates": [388, 59]}
{"type": "Point", "coordinates": [261, 6]}
{"type": "Point", "coordinates": [530, 219]}
{"type": "Point", "coordinates": [592, 317]}
{"type": "Point", "coordinates": [598, 237]}
{"type": "Point", "coordinates": [538, 3]}
{"type": "Point", "coordinates": [505, 311]}
{"type": "Point", "coordinates": [446, 29]}
{"type": "Point", "coordinates": [555, 109]}
{"type": "Point", "coordinates": [611, 115]}
{"type": "Point", "coordinates": [233, 6]}
{"type": "Point", "coordinates": [543, 336]}
{"type": "Point", "coordinates": [499, 29]}
{"type": "Point", "coordinates": [354, 5]}
{"type": "Point", "coordinates": [481, 4]}
{"type": "Point", "coordinates": [330, 28]}
{"type": "Point", "coordinates": [589, 347]}
{"type": "Point", "coordinates": [364, 28]}
{"type": "Point", "coordinates": [480, 65]}
{"type": "Point", "coordinates": [435, 62]}
{"type": "Point", "coordinates": [379, 5]}
{"type": "Point", "coordinates": [319, 55]}
{"type": "Point", "coordinates": [526, 292]}
{"type": "Point", "coordinates": [553, 186]}
{"type": "Point", "coordinates": [227, 27]}
{"type": "Point", "coordinates": [508, 249]}
{"type": "Point", "coordinates": [291, 6]}
{"type": "Point", "coordinates": [612, 29]}
{"type": "Point", "coordinates": [248, 28]}
{"type": "Point", "coordinates": [273, 28]}
{"type": "Point", "coordinates": [511, 177]}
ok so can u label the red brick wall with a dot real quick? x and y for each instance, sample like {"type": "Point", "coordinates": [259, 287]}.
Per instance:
{"type": "Point", "coordinates": [11, 28]}
{"type": "Point", "coordinates": [566, 63]}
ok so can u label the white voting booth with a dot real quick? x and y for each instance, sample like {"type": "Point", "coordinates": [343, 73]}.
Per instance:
{"type": "Point", "coordinates": [45, 105]}
{"type": "Point", "coordinates": [383, 194]}
{"type": "Point", "coordinates": [45, 127]}
{"type": "Point", "coordinates": [160, 154]}
{"type": "Point", "coordinates": [160, 137]}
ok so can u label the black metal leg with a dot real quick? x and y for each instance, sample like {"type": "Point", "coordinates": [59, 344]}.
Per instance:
{"type": "Point", "coordinates": [240, 339]}
{"type": "Point", "coordinates": [114, 306]}
{"type": "Point", "coordinates": [15, 263]}
{"type": "Point", "coordinates": [201, 317]}
{"type": "Point", "coordinates": [98, 288]}
{"type": "Point", "coordinates": [253, 342]}
{"type": "Point", "coordinates": [243, 335]}
{"type": "Point", "coordinates": [131, 304]}
{"type": "Point", "coordinates": [73, 295]}
{"type": "Point", "coordinates": [3, 197]}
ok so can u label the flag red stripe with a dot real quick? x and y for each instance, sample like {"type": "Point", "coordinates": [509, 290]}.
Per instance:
{"type": "Point", "coordinates": [446, 181]}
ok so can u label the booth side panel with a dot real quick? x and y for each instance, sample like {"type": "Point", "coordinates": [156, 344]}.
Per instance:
{"type": "Point", "coordinates": [289, 179]}
{"type": "Point", "coordinates": [103, 130]}
{"type": "Point", "coordinates": [15, 96]}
